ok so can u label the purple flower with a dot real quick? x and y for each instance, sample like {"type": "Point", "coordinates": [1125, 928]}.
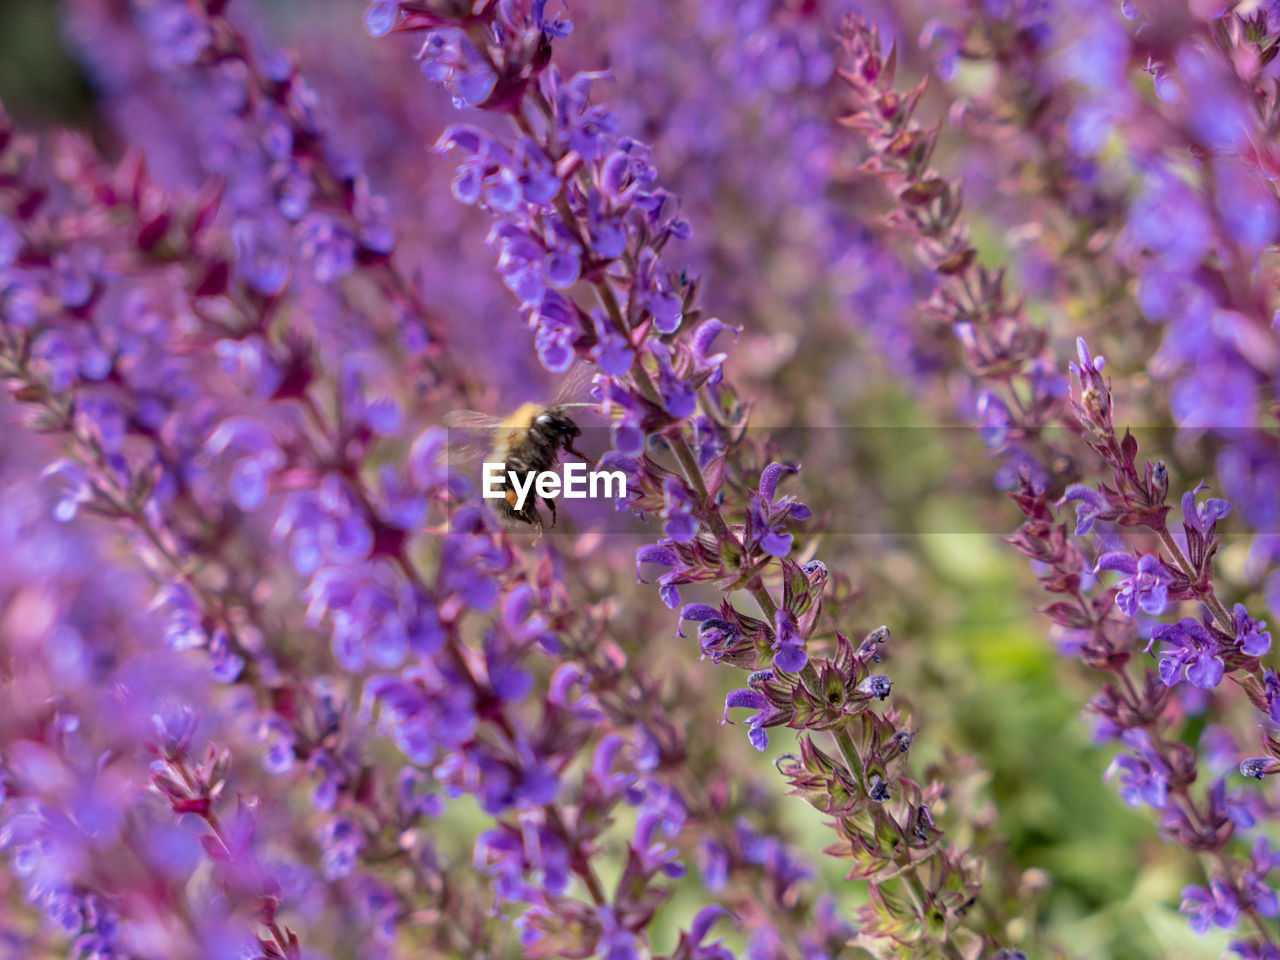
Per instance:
{"type": "Point", "coordinates": [555, 331]}
{"type": "Point", "coordinates": [878, 685]}
{"type": "Point", "coordinates": [678, 397]}
{"type": "Point", "coordinates": [752, 700]}
{"type": "Point", "coordinates": [380, 17]}
{"type": "Point", "coordinates": [257, 459]}
{"type": "Point", "coordinates": [1251, 635]}
{"type": "Point", "coordinates": [1146, 587]}
{"type": "Point", "coordinates": [556, 26]}
{"type": "Point", "coordinates": [1259, 768]}
{"type": "Point", "coordinates": [1271, 690]}
{"type": "Point", "coordinates": [1189, 650]}
{"type": "Point", "coordinates": [20, 299]}
{"type": "Point", "coordinates": [713, 861]}
{"type": "Point", "coordinates": [704, 335]}
{"type": "Point", "coordinates": [328, 245]}
{"type": "Point", "coordinates": [679, 510]}
{"type": "Point", "coordinates": [1089, 366]}
{"type": "Point", "coordinates": [663, 553]}
{"type": "Point", "coordinates": [589, 129]}
{"type": "Point", "coordinates": [76, 488]}
{"type": "Point", "coordinates": [249, 362]}
{"type": "Point", "coordinates": [612, 353]}
{"type": "Point", "coordinates": [788, 645]}
{"type": "Point", "coordinates": [451, 60]}
{"type": "Point", "coordinates": [279, 757]}
{"type": "Point", "coordinates": [717, 638]}
{"type": "Point", "coordinates": [177, 35]}
{"type": "Point", "coordinates": [1218, 905]}
{"type": "Point", "coordinates": [879, 790]}
{"type": "Point", "coordinates": [1203, 517]}
{"type": "Point", "coordinates": [1090, 507]}
{"type": "Point", "coordinates": [657, 292]}
{"type": "Point", "coordinates": [1144, 776]}
{"type": "Point", "coordinates": [1262, 861]}
{"type": "Point", "coordinates": [771, 514]}
{"type": "Point", "coordinates": [261, 258]}
{"type": "Point", "coordinates": [627, 170]}
{"type": "Point", "coordinates": [768, 851]}
{"type": "Point", "coordinates": [1170, 222]}
{"type": "Point", "coordinates": [340, 841]}
{"type": "Point", "coordinates": [1247, 950]}
{"type": "Point", "coordinates": [607, 234]}
{"type": "Point", "coordinates": [698, 930]}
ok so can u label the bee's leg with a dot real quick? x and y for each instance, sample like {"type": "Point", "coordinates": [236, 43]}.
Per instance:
{"type": "Point", "coordinates": [535, 518]}
{"type": "Point", "coordinates": [507, 506]}
{"type": "Point", "coordinates": [551, 504]}
{"type": "Point", "coordinates": [568, 445]}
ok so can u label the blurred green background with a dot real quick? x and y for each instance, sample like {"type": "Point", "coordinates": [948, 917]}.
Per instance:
{"type": "Point", "coordinates": [39, 83]}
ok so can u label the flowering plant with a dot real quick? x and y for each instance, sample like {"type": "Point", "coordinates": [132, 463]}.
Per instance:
{"type": "Point", "coordinates": [280, 683]}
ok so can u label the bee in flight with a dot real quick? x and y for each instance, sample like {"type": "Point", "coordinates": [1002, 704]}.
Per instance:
{"type": "Point", "coordinates": [527, 443]}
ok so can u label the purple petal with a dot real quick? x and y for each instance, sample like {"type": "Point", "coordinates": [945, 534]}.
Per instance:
{"type": "Point", "coordinates": [776, 543]}
{"type": "Point", "coordinates": [464, 136]}
{"type": "Point", "coordinates": [1257, 644]}
{"type": "Point", "coordinates": [1119, 560]}
{"type": "Point", "coordinates": [704, 335]}
{"type": "Point", "coordinates": [681, 528]}
{"type": "Point", "coordinates": [1205, 671]}
{"type": "Point", "coordinates": [1154, 600]}
{"type": "Point", "coordinates": [655, 553]}
{"type": "Point", "coordinates": [380, 18]}
{"type": "Point", "coordinates": [704, 921]}
{"type": "Point", "coordinates": [790, 657]}
{"type": "Point", "coordinates": [746, 698]}
{"type": "Point", "coordinates": [249, 483]}
{"type": "Point", "coordinates": [699, 612]}
{"type": "Point", "coordinates": [769, 478]}
{"type": "Point", "coordinates": [1082, 492]}
{"type": "Point", "coordinates": [1170, 670]}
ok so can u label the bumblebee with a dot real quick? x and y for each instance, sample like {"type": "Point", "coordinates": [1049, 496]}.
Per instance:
{"type": "Point", "coordinates": [528, 442]}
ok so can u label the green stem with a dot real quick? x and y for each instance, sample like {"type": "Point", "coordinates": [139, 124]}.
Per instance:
{"type": "Point", "coordinates": [1206, 594]}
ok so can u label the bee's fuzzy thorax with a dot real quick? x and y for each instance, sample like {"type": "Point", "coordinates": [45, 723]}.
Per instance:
{"type": "Point", "coordinates": [516, 426]}
{"type": "Point", "coordinates": [523, 417]}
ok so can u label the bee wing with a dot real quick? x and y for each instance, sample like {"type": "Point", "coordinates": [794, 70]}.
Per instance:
{"type": "Point", "coordinates": [471, 420]}
{"type": "Point", "coordinates": [574, 385]}
{"type": "Point", "coordinates": [471, 434]}
{"type": "Point", "coordinates": [460, 452]}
